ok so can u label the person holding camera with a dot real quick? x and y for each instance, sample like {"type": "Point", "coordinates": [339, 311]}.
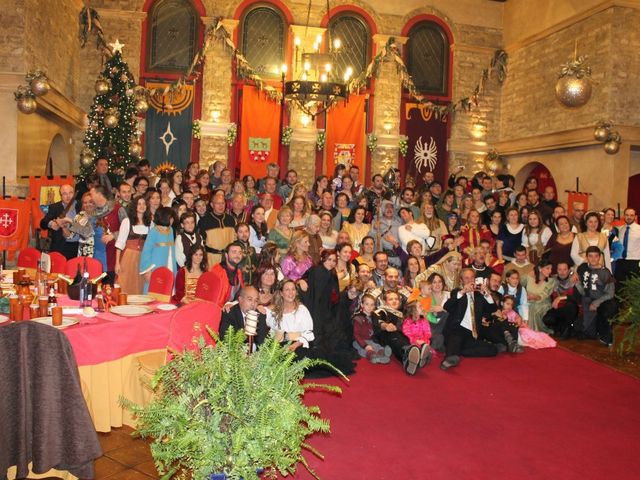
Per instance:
{"type": "Point", "coordinates": [468, 327]}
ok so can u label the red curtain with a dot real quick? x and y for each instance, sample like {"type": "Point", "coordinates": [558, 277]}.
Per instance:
{"type": "Point", "coordinates": [259, 132]}
{"type": "Point", "coordinates": [427, 144]}
{"type": "Point", "coordinates": [345, 134]}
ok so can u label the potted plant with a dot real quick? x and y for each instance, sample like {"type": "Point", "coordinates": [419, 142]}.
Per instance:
{"type": "Point", "coordinates": [218, 412]}
{"type": "Point", "coordinates": [627, 322]}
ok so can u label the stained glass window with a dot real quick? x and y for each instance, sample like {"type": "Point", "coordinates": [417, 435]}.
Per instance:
{"type": "Point", "coordinates": [263, 34]}
{"type": "Point", "coordinates": [428, 58]}
{"type": "Point", "coordinates": [173, 34]}
{"type": "Point", "coordinates": [353, 33]}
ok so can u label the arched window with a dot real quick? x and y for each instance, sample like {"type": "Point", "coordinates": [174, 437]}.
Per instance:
{"type": "Point", "coordinates": [263, 38]}
{"type": "Point", "coordinates": [428, 58]}
{"type": "Point", "coordinates": [354, 35]}
{"type": "Point", "coordinates": [173, 35]}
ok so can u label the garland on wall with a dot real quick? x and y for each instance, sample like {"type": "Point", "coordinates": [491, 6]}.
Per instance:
{"type": "Point", "coordinates": [497, 67]}
{"type": "Point", "coordinates": [90, 23]}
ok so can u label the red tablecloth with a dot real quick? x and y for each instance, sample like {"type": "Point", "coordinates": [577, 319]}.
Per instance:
{"type": "Point", "coordinates": [108, 336]}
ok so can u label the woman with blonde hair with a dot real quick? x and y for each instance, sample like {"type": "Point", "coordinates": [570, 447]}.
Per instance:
{"type": "Point", "coordinates": [435, 225]}
{"type": "Point", "coordinates": [282, 232]}
{"type": "Point", "coordinates": [448, 267]}
{"type": "Point", "coordinates": [298, 260]}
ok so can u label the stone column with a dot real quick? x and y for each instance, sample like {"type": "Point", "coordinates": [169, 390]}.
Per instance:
{"type": "Point", "coordinates": [9, 132]}
{"type": "Point", "coordinates": [216, 100]}
{"type": "Point", "coordinates": [386, 109]}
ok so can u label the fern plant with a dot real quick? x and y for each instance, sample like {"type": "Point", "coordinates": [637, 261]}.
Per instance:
{"type": "Point", "coordinates": [629, 314]}
{"type": "Point", "coordinates": [219, 410]}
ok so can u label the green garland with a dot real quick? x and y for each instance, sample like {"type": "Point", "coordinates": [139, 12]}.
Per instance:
{"type": "Point", "coordinates": [321, 140]}
{"type": "Point", "coordinates": [390, 52]}
{"type": "Point", "coordinates": [403, 147]}
{"type": "Point", "coordinates": [195, 129]}
{"type": "Point", "coordinates": [286, 136]}
{"type": "Point", "coordinates": [232, 134]}
{"type": "Point", "coordinates": [372, 142]}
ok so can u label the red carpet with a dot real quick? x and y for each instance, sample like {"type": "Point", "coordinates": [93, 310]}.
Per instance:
{"type": "Point", "coordinates": [547, 414]}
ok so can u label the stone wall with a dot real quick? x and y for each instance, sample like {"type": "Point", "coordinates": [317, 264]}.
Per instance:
{"type": "Point", "coordinates": [12, 41]}
{"type": "Point", "coordinates": [624, 102]}
{"type": "Point", "coordinates": [529, 106]}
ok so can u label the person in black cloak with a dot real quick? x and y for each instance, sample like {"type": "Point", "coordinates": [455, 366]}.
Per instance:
{"type": "Point", "coordinates": [321, 294]}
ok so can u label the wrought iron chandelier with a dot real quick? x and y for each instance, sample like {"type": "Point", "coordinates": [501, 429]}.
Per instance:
{"type": "Point", "coordinates": [317, 86]}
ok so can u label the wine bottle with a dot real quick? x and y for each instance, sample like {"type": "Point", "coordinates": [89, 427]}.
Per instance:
{"type": "Point", "coordinates": [84, 285]}
{"type": "Point", "coordinates": [78, 277]}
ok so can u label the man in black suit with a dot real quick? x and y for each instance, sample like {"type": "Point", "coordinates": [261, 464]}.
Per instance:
{"type": "Point", "coordinates": [470, 309]}
{"type": "Point", "coordinates": [57, 220]}
{"type": "Point", "coordinates": [247, 301]}
{"type": "Point", "coordinates": [102, 176]}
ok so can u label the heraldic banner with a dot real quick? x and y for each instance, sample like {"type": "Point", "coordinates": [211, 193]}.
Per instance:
{"type": "Point", "coordinates": [427, 142]}
{"type": "Point", "coordinates": [259, 132]}
{"type": "Point", "coordinates": [168, 126]}
{"type": "Point", "coordinates": [44, 191]}
{"type": "Point", "coordinates": [345, 135]}
{"type": "Point", "coordinates": [14, 224]}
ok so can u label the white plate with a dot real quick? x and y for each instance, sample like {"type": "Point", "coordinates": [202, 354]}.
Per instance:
{"type": "Point", "coordinates": [4, 318]}
{"type": "Point", "coordinates": [166, 307]}
{"type": "Point", "coordinates": [131, 310]}
{"type": "Point", "coordinates": [66, 321]}
{"type": "Point", "coordinates": [139, 299]}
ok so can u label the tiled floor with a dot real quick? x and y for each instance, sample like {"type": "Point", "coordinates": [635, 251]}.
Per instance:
{"type": "Point", "coordinates": [127, 458]}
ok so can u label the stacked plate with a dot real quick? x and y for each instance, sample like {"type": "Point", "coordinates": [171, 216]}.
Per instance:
{"type": "Point", "coordinates": [140, 299]}
{"type": "Point", "coordinates": [131, 310]}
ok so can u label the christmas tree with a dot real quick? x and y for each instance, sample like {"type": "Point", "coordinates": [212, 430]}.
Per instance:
{"type": "Point", "coordinates": [112, 124]}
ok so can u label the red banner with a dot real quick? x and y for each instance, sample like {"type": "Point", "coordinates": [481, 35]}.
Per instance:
{"type": "Point", "coordinates": [577, 197]}
{"type": "Point", "coordinates": [427, 144]}
{"type": "Point", "coordinates": [259, 132]}
{"type": "Point", "coordinates": [345, 134]}
{"type": "Point", "coordinates": [14, 224]}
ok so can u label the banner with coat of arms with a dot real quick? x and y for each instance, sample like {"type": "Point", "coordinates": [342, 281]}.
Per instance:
{"type": "Point", "coordinates": [14, 224]}
{"type": "Point", "coordinates": [346, 134]}
{"type": "Point", "coordinates": [427, 144]}
{"type": "Point", "coordinates": [168, 126]}
{"type": "Point", "coordinates": [259, 132]}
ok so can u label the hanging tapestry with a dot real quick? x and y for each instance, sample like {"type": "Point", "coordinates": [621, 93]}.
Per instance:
{"type": "Point", "coordinates": [345, 134]}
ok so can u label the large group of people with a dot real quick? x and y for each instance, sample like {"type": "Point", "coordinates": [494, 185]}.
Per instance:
{"type": "Point", "coordinates": [338, 270]}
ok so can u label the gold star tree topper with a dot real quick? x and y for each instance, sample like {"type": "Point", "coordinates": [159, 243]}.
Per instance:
{"type": "Point", "coordinates": [116, 46]}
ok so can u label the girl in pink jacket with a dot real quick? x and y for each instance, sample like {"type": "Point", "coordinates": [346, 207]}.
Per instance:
{"type": "Point", "coordinates": [416, 326]}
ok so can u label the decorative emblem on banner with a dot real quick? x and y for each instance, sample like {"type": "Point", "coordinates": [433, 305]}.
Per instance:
{"type": "Point", "coordinates": [259, 149]}
{"type": "Point", "coordinates": [173, 102]}
{"type": "Point", "coordinates": [425, 155]}
{"type": "Point", "coordinates": [344, 153]}
{"type": "Point", "coordinates": [168, 138]}
{"type": "Point", "coordinates": [8, 221]}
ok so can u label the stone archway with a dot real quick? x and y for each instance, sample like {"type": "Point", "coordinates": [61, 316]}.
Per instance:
{"type": "Point", "coordinates": [540, 172]}
{"type": "Point", "coordinates": [58, 156]}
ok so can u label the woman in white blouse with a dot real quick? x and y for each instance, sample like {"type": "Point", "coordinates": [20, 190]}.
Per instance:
{"type": "Point", "coordinates": [129, 245]}
{"type": "Point", "coordinates": [327, 233]}
{"type": "Point", "coordinates": [535, 236]}
{"type": "Point", "coordinates": [289, 320]}
{"type": "Point", "coordinates": [592, 236]}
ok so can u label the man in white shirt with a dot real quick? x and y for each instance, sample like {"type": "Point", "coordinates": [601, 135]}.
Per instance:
{"type": "Point", "coordinates": [469, 310]}
{"type": "Point", "coordinates": [412, 230]}
{"type": "Point", "coordinates": [629, 237]}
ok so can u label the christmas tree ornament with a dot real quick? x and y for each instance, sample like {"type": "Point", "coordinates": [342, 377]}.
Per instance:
{"type": "Point", "coordinates": [141, 106]}
{"type": "Point", "coordinates": [573, 88]}
{"type": "Point", "coordinates": [102, 86]}
{"type": "Point", "coordinates": [135, 149]}
{"type": "Point", "coordinates": [27, 104]}
{"type": "Point", "coordinates": [602, 131]}
{"type": "Point", "coordinates": [612, 145]}
{"type": "Point", "coordinates": [40, 86]}
{"type": "Point", "coordinates": [87, 157]}
{"type": "Point", "coordinates": [111, 118]}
